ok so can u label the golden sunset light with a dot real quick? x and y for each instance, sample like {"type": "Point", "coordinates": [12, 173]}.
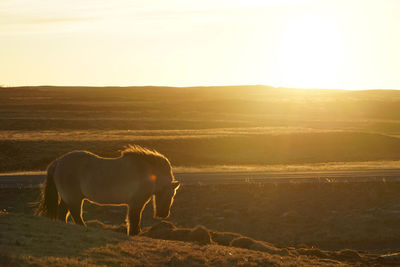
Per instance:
{"type": "Point", "coordinates": [295, 43]}
{"type": "Point", "coordinates": [199, 133]}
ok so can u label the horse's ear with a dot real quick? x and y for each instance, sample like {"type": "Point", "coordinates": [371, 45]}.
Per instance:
{"type": "Point", "coordinates": [175, 184]}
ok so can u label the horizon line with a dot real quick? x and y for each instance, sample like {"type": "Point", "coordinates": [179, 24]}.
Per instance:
{"type": "Point", "coordinates": [197, 86]}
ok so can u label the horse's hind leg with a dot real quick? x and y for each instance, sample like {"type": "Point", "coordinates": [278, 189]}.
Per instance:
{"type": "Point", "coordinates": [62, 211]}
{"type": "Point", "coordinates": [76, 211]}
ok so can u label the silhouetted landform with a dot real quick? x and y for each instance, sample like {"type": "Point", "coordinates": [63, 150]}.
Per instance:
{"type": "Point", "coordinates": [31, 240]}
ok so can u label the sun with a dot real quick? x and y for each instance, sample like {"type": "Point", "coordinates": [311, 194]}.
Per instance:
{"type": "Point", "coordinates": [311, 53]}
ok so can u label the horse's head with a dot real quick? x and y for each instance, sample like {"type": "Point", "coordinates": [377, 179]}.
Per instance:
{"type": "Point", "coordinates": [163, 199]}
{"type": "Point", "coordinates": [164, 185]}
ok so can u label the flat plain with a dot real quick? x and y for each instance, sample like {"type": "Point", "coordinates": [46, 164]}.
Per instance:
{"type": "Point", "coordinates": [204, 131]}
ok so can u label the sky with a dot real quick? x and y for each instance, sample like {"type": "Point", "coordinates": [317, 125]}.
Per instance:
{"type": "Point", "coordinates": [350, 44]}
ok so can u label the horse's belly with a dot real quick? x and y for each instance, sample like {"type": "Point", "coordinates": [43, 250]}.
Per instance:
{"type": "Point", "coordinates": [101, 194]}
{"type": "Point", "coordinates": [106, 200]}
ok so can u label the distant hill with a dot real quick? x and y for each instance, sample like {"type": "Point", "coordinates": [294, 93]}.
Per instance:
{"type": "Point", "coordinates": [228, 124]}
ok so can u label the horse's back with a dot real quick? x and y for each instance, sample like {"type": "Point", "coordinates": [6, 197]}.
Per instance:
{"type": "Point", "coordinates": [69, 171]}
{"type": "Point", "coordinates": [102, 180]}
{"type": "Point", "coordinates": [74, 162]}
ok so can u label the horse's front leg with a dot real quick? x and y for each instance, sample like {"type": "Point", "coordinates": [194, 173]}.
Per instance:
{"type": "Point", "coordinates": [135, 214]}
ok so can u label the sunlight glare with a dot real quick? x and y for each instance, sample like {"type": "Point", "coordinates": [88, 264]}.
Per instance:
{"type": "Point", "coordinates": [311, 53]}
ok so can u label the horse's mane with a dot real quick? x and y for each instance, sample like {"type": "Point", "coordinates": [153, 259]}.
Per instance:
{"type": "Point", "coordinates": [139, 151]}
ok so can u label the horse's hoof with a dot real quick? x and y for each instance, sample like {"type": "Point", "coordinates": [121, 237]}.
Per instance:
{"type": "Point", "coordinates": [133, 233]}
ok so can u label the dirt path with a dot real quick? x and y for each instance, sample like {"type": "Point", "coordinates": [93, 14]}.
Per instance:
{"type": "Point", "coordinates": [27, 180]}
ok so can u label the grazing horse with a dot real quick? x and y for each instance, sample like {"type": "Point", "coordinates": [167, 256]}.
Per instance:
{"type": "Point", "coordinates": [132, 179]}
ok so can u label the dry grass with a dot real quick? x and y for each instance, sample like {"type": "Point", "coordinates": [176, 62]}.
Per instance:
{"type": "Point", "coordinates": [260, 149]}
{"type": "Point", "coordinates": [217, 225]}
{"type": "Point", "coordinates": [276, 168]}
{"type": "Point", "coordinates": [271, 168]}
{"type": "Point", "coordinates": [251, 125]}
{"type": "Point", "coordinates": [33, 241]}
{"type": "Point", "coordinates": [361, 216]}
{"type": "Point", "coordinates": [129, 135]}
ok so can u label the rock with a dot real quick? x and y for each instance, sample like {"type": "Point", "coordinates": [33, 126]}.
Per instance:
{"type": "Point", "coordinates": [313, 252]}
{"type": "Point", "coordinates": [201, 235]}
{"type": "Point", "coordinates": [181, 234]}
{"type": "Point", "coordinates": [162, 230]}
{"type": "Point", "coordinates": [97, 224]}
{"type": "Point", "coordinates": [265, 247]}
{"type": "Point", "coordinates": [390, 259]}
{"type": "Point", "coordinates": [242, 242]}
{"type": "Point", "coordinates": [224, 238]}
{"type": "Point", "coordinates": [246, 242]}
{"type": "Point", "coordinates": [163, 225]}
{"type": "Point", "coordinates": [348, 254]}
{"type": "Point", "coordinates": [167, 230]}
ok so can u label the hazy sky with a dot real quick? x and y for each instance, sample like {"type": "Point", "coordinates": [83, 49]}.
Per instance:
{"type": "Point", "coordinates": [350, 44]}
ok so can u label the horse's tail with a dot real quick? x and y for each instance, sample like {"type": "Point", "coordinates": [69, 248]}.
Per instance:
{"type": "Point", "coordinates": [48, 203]}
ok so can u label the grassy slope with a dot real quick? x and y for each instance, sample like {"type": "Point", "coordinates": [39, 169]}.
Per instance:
{"type": "Point", "coordinates": [362, 216]}
{"type": "Point", "coordinates": [336, 217]}
{"type": "Point", "coordinates": [28, 240]}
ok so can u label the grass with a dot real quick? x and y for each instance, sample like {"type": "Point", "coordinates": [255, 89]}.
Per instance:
{"type": "Point", "coordinates": [36, 241]}
{"type": "Point", "coordinates": [129, 135]}
{"type": "Point", "coordinates": [271, 168]}
{"type": "Point", "coordinates": [217, 225]}
{"type": "Point", "coordinates": [260, 149]}
{"type": "Point", "coordinates": [362, 216]}
{"type": "Point", "coordinates": [194, 127]}
{"type": "Point", "coordinates": [239, 128]}
{"type": "Point", "coordinates": [310, 167]}
{"type": "Point", "coordinates": [60, 108]}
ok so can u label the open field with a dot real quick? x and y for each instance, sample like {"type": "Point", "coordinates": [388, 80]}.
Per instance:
{"type": "Point", "coordinates": [294, 223]}
{"type": "Point", "coordinates": [204, 126]}
{"type": "Point", "coordinates": [241, 175]}
{"type": "Point", "coordinates": [241, 153]}
{"type": "Point", "coordinates": [166, 108]}
{"type": "Point", "coordinates": [232, 150]}
{"type": "Point", "coordinates": [285, 214]}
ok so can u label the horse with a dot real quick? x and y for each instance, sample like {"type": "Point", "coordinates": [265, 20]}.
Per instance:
{"type": "Point", "coordinates": [132, 179]}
